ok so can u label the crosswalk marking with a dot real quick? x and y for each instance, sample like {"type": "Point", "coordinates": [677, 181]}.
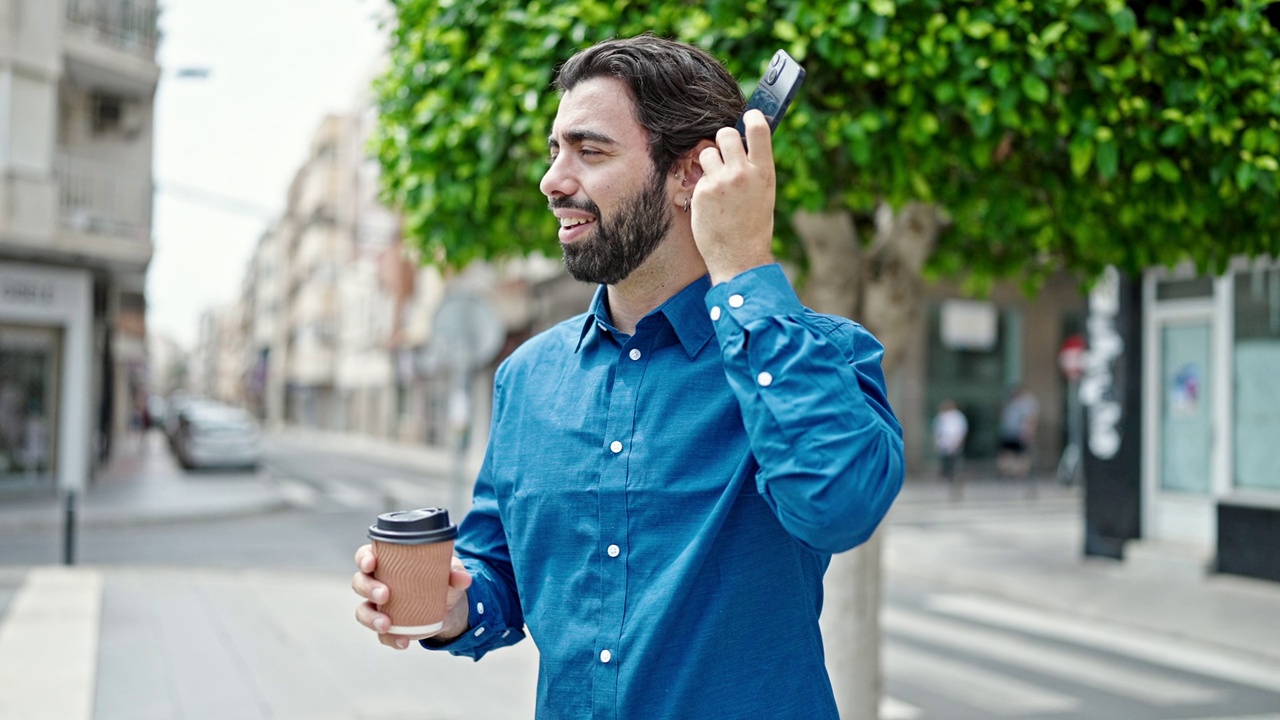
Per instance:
{"type": "Point", "coordinates": [1272, 716]}
{"type": "Point", "coordinates": [1078, 667]}
{"type": "Point", "coordinates": [894, 709]}
{"type": "Point", "coordinates": [49, 645]}
{"type": "Point", "coordinates": [298, 494]}
{"type": "Point", "coordinates": [348, 494]}
{"type": "Point", "coordinates": [1132, 642]}
{"type": "Point", "coordinates": [381, 495]}
{"type": "Point", "coordinates": [982, 689]}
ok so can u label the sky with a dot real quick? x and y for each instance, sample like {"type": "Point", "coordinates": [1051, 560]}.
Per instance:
{"type": "Point", "coordinates": [227, 146]}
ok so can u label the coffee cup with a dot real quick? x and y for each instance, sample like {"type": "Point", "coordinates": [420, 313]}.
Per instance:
{"type": "Point", "coordinates": [414, 552]}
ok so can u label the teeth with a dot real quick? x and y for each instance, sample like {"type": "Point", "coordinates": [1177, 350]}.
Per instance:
{"type": "Point", "coordinates": [570, 222]}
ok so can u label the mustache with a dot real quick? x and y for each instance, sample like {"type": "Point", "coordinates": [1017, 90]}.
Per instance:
{"type": "Point", "coordinates": [568, 203]}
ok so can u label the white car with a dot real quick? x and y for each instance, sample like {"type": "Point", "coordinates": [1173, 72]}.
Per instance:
{"type": "Point", "coordinates": [212, 435]}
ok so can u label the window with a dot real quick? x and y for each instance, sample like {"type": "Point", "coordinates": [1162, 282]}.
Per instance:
{"type": "Point", "coordinates": [108, 113]}
{"type": "Point", "coordinates": [1256, 384]}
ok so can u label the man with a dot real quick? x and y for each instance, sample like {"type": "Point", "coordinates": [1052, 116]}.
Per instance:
{"type": "Point", "coordinates": [950, 427]}
{"type": "Point", "coordinates": [668, 474]}
{"type": "Point", "coordinates": [1018, 422]}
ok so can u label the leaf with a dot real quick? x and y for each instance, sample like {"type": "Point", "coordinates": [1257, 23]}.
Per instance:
{"type": "Point", "coordinates": [883, 8]}
{"type": "Point", "coordinates": [1125, 21]}
{"type": "Point", "coordinates": [1053, 32]}
{"type": "Point", "coordinates": [1082, 151]}
{"type": "Point", "coordinates": [1168, 170]}
{"type": "Point", "coordinates": [1108, 159]}
{"type": "Point", "coordinates": [1035, 89]}
{"type": "Point", "coordinates": [1173, 136]}
{"type": "Point", "coordinates": [1244, 175]}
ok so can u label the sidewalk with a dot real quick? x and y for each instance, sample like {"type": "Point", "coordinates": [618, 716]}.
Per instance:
{"type": "Point", "coordinates": [1001, 542]}
{"type": "Point", "coordinates": [143, 483]}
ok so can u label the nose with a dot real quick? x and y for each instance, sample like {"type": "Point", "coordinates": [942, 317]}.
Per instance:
{"type": "Point", "coordinates": [558, 181]}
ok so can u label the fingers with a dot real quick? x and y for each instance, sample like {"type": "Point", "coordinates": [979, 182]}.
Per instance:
{"type": "Point", "coordinates": [369, 589]}
{"type": "Point", "coordinates": [759, 139]}
{"type": "Point", "coordinates": [367, 615]}
{"type": "Point", "coordinates": [459, 578]}
{"type": "Point", "coordinates": [365, 559]}
{"type": "Point", "coordinates": [729, 149]}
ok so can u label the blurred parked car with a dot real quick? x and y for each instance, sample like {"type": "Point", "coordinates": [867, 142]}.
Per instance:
{"type": "Point", "coordinates": [213, 435]}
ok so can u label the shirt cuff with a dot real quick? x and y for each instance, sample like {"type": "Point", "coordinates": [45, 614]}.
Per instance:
{"type": "Point", "coordinates": [488, 630]}
{"type": "Point", "coordinates": [756, 294]}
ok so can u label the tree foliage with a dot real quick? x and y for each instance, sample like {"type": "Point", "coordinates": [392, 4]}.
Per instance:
{"type": "Point", "coordinates": [1056, 133]}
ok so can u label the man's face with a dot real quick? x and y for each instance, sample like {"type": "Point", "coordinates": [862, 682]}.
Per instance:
{"type": "Point", "coordinates": [611, 202]}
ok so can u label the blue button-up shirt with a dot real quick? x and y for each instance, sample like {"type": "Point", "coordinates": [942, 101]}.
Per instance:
{"type": "Point", "coordinates": [658, 509]}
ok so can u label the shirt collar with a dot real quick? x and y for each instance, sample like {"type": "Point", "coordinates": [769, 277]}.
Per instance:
{"type": "Point", "coordinates": [685, 311]}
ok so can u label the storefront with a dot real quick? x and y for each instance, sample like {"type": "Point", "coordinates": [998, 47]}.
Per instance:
{"type": "Point", "coordinates": [45, 370]}
{"type": "Point", "coordinates": [1211, 406]}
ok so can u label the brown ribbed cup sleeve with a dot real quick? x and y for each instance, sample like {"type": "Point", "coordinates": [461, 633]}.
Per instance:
{"type": "Point", "coordinates": [418, 579]}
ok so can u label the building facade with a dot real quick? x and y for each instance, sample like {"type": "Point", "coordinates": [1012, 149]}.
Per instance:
{"type": "Point", "coordinates": [1184, 417]}
{"type": "Point", "coordinates": [77, 81]}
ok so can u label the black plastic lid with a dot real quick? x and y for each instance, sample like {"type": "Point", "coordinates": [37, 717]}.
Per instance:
{"type": "Point", "coordinates": [414, 527]}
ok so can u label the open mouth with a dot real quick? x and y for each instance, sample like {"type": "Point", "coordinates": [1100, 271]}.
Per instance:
{"type": "Point", "coordinates": [573, 228]}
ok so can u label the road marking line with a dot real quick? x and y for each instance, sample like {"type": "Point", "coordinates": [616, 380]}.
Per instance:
{"type": "Point", "coordinates": [49, 645]}
{"type": "Point", "coordinates": [350, 495]}
{"type": "Point", "coordinates": [406, 494]}
{"type": "Point", "coordinates": [1024, 652]}
{"type": "Point", "coordinates": [894, 709]}
{"type": "Point", "coordinates": [1272, 716]}
{"type": "Point", "coordinates": [988, 691]}
{"type": "Point", "coordinates": [298, 494]}
{"type": "Point", "coordinates": [1192, 657]}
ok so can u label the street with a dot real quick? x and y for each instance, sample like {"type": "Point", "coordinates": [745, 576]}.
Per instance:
{"type": "Point", "coordinates": [250, 616]}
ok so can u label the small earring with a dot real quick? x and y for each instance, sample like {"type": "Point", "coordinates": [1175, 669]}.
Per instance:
{"type": "Point", "coordinates": [686, 203]}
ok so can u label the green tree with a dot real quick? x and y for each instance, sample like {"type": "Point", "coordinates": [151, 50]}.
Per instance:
{"type": "Point", "coordinates": [932, 137]}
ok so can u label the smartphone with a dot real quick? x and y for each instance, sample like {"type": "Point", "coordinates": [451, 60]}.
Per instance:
{"type": "Point", "coordinates": [777, 88]}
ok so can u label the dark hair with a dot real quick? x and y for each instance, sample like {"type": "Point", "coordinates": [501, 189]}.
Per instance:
{"type": "Point", "coordinates": [682, 94]}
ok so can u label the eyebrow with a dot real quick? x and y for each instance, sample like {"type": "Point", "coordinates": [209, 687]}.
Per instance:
{"type": "Point", "coordinates": [577, 137]}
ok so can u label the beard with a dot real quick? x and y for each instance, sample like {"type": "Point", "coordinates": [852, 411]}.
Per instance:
{"type": "Point", "coordinates": [622, 242]}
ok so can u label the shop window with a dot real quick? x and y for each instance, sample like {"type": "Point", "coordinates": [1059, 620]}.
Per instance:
{"type": "Point", "coordinates": [1256, 356]}
{"type": "Point", "coordinates": [28, 405]}
{"type": "Point", "coordinates": [974, 358]}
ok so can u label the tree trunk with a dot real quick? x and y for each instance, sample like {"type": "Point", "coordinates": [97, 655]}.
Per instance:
{"type": "Point", "coordinates": [880, 287]}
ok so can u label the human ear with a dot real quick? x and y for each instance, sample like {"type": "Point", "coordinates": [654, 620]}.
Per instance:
{"type": "Point", "coordinates": [689, 168]}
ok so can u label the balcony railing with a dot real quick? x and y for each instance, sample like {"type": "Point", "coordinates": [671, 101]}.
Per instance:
{"type": "Point", "coordinates": [100, 199]}
{"type": "Point", "coordinates": [127, 24]}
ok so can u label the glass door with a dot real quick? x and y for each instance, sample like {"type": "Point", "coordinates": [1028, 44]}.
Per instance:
{"type": "Point", "coordinates": [29, 362]}
{"type": "Point", "coordinates": [1181, 417]}
{"type": "Point", "coordinates": [1186, 431]}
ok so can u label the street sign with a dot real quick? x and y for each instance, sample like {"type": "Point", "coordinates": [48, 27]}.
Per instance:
{"type": "Point", "coordinates": [467, 334]}
{"type": "Point", "coordinates": [1071, 357]}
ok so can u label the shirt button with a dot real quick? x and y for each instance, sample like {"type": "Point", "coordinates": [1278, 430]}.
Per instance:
{"type": "Point", "coordinates": [634, 354]}
{"type": "Point", "coordinates": [602, 327]}
{"type": "Point", "coordinates": [715, 313]}
{"type": "Point", "coordinates": [765, 379]}
{"type": "Point", "coordinates": [615, 446]}
{"type": "Point", "coordinates": [605, 656]}
{"type": "Point", "coordinates": [614, 550]}
{"type": "Point", "coordinates": [735, 301]}
{"type": "Point", "coordinates": [479, 608]}
{"type": "Point", "coordinates": [479, 631]}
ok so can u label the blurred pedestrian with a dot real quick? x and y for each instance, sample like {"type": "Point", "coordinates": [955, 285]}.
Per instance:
{"type": "Point", "coordinates": [658, 501]}
{"type": "Point", "coordinates": [950, 427]}
{"type": "Point", "coordinates": [1018, 422]}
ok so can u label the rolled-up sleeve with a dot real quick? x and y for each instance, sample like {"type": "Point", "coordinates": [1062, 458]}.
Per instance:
{"type": "Point", "coordinates": [813, 399]}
